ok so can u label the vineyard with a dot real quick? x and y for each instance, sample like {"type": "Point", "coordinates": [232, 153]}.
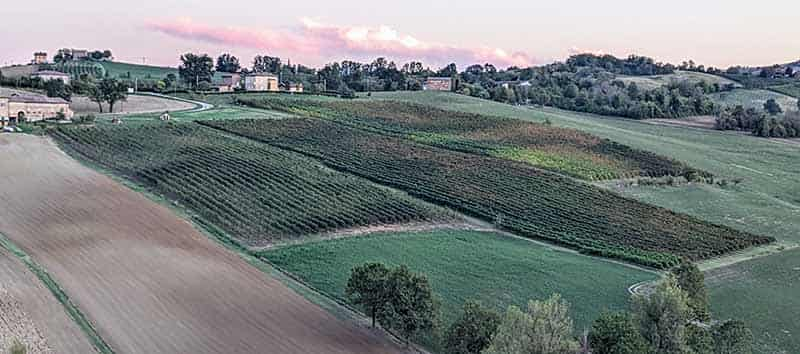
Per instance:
{"type": "Point", "coordinates": [78, 68]}
{"type": "Point", "coordinates": [560, 150]}
{"type": "Point", "coordinates": [258, 193]}
{"type": "Point", "coordinates": [516, 197]}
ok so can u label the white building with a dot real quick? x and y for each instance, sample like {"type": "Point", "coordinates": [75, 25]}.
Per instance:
{"type": "Point", "coordinates": [261, 82]}
{"type": "Point", "coordinates": [48, 75]}
{"type": "Point", "coordinates": [19, 108]}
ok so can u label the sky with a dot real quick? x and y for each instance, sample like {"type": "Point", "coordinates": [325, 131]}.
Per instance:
{"type": "Point", "coordinates": [314, 32]}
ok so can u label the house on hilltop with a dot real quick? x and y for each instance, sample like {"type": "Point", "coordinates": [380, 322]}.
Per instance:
{"type": "Point", "coordinates": [438, 84]}
{"type": "Point", "coordinates": [261, 82]}
{"type": "Point", "coordinates": [24, 107]}
{"type": "Point", "coordinates": [39, 58]}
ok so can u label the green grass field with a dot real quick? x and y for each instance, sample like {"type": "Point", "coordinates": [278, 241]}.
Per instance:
{"type": "Point", "coordinates": [767, 202]}
{"type": "Point", "coordinates": [498, 270]}
{"type": "Point", "coordinates": [655, 81]}
{"type": "Point", "coordinates": [742, 288]}
{"type": "Point", "coordinates": [117, 69]}
{"type": "Point", "coordinates": [754, 98]}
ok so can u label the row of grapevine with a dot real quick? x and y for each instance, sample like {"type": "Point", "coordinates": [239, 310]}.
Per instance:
{"type": "Point", "coordinates": [528, 201]}
{"type": "Point", "coordinates": [602, 158]}
{"type": "Point", "coordinates": [78, 68]}
{"type": "Point", "coordinates": [257, 193]}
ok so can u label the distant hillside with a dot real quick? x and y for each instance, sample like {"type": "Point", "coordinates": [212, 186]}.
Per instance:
{"type": "Point", "coordinates": [655, 81]}
{"type": "Point", "coordinates": [120, 69]}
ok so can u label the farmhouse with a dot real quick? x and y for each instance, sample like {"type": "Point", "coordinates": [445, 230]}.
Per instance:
{"type": "Point", "coordinates": [31, 108]}
{"type": "Point", "coordinates": [230, 82]}
{"type": "Point", "coordinates": [438, 84]}
{"type": "Point", "coordinates": [261, 82]}
{"type": "Point", "coordinates": [39, 58]}
{"type": "Point", "coordinates": [294, 87]}
{"type": "Point", "coordinates": [48, 75]}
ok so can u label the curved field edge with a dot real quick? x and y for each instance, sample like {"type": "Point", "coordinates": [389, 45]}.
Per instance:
{"type": "Point", "coordinates": [72, 310]}
{"type": "Point", "coordinates": [494, 268]}
{"type": "Point", "coordinates": [259, 193]}
{"type": "Point", "coordinates": [413, 168]}
{"type": "Point", "coordinates": [339, 309]}
{"type": "Point", "coordinates": [566, 151]}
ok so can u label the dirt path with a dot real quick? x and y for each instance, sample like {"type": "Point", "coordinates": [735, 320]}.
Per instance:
{"type": "Point", "coordinates": [147, 280]}
{"type": "Point", "coordinates": [30, 313]}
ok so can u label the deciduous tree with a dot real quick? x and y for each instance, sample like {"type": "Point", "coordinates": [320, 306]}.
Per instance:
{"type": "Point", "coordinates": [472, 332]}
{"type": "Point", "coordinates": [411, 308]}
{"type": "Point", "coordinates": [772, 107]}
{"type": "Point", "coordinates": [367, 287]}
{"type": "Point", "coordinates": [195, 69]}
{"type": "Point", "coordinates": [733, 337]}
{"type": "Point", "coordinates": [545, 328]}
{"type": "Point", "coordinates": [662, 317]}
{"type": "Point", "coordinates": [692, 281]}
{"type": "Point", "coordinates": [228, 63]}
{"type": "Point", "coordinates": [617, 333]}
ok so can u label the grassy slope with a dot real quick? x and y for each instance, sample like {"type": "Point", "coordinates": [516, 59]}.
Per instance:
{"type": "Point", "coordinates": [776, 278]}
{"type": "Point", "coordinates": [495, 269]}
{"type": "Point", "coordinates": [116, 69]}
{"type": "Point", "coordinates": [754, 98]}
{"type": "Point", "coordinates": [767, 202]}
{"type": "Point", "coordinates": [655, 81]}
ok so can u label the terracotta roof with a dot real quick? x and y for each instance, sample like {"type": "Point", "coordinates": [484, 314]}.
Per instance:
{"type": "Point", "coordinates": [33, 98]}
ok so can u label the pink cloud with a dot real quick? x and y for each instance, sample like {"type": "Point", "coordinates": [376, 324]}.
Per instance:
{"type": "Point", "coordinates": [315, 41]}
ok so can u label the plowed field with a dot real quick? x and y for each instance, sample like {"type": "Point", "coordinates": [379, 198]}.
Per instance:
{"type": "Point", "coordinates": [147, 280]}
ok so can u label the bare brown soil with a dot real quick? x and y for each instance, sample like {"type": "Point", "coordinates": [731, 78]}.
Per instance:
{"type": "Point", "coordinates": [30, 314]}
{"type": "Point", "coordinates": [147, 280]}
{"type": "Point", "coordinates": [707, 122]}
{"type": "Point", "coordinates": [134, 104]}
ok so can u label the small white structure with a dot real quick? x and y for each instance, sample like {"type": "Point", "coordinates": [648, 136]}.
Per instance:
{"type": "Point", "coordinates": [261, 82]}
{"type": "Point", "coordinates": [165, 117]}
{"type": "Point", "coordinates": [48, 75]}
{"type": "Point", "coordinates": [438, 84]}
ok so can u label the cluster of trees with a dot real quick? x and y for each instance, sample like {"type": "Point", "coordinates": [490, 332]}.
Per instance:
{"type": "Point", "coordinates": [673, 319]}
{"type": "Point", "coordinates": [106, 90]}
{"type": "Point", "coordinates": [764, 123]}
{"type": "Point", "coordinates": [589, 83]}
{"type": "Point", "coordinates": [65, 55]}
{"type": "Point", "coordinates": [396, 298]}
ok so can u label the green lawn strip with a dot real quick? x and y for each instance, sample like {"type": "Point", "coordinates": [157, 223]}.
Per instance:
{"type": "Point", "coordinates": [740, 291]}
{"type": "Point", "coordinates": [80, 319]}
{"type": "Point", "coordinates": [495, 269]}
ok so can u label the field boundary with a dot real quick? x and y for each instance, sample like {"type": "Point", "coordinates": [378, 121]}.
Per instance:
{"type": "Point", "coordinates": [332, 305]}
{"type": "Point", "coordinates": [72, 310]}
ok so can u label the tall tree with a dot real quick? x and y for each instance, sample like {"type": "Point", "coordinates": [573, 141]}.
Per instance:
{"type": "Point", "coordinates": [266, 64]}
{"type": "Point", "coordinates": [545, 328]}
{"type": "Point", "coordinates": [227, 63]}
{"type": "Point", "coordinates": [57, 88]}
{"type": "Point", "coordinates": [733, 337]}
{"type": "Point", "coordinates": [411, 308]}
{"type": "Point", "coordinates": [617, 333]}
{"type": "Point", "coordinates": [195, 69]}
{"type": "Point", "coordinates": [472, 332]}
{"type": "Point", "coordinates": [448, 71]}
{"type": "Point", "coordinates": [367, 287]}
{"type": "Point", "coordinates": [662, 317]}
{"type": "Point", "coordinates": [772, 107]}
{"type": "Point", "coordinates": [692, 281]}
{"type": "Point", "coordinates": [113, 91]}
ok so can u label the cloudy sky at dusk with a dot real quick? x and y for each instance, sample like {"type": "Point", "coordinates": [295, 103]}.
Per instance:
{"type": "Point", "coordinates": [312, 32]}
